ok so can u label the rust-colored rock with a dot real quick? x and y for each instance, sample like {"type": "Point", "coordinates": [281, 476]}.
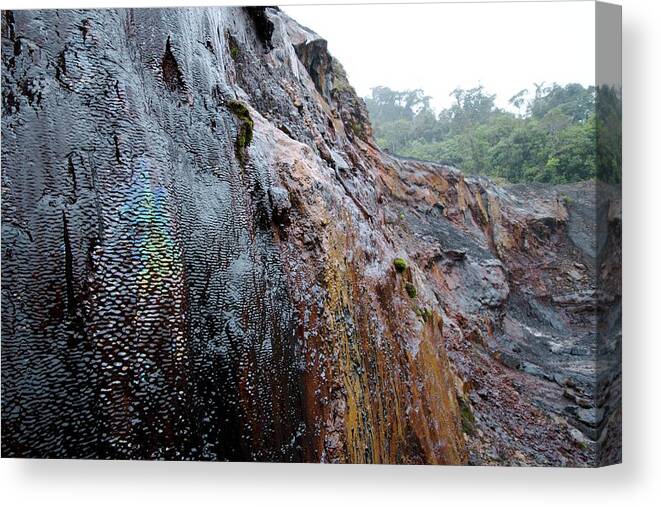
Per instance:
{"type": "Point", "coordinates": [174, 288]}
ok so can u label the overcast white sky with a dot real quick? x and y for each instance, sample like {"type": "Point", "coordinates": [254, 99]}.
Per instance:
{"type": "Point", "coordinates": [437, 47]}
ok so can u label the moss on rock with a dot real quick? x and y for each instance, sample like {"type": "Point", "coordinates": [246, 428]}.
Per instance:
{"type": "Point", "coordinates": [467, 418]}
{"type": "Point", "coordinates": [244, 136]}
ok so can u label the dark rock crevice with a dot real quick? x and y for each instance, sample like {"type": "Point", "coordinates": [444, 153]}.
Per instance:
{"type": "Point", "coordinates": [172, 75]}
{"type": "Point", "coordinates": [263, 25]}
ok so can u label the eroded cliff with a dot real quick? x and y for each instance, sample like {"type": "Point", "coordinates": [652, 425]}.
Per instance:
{"type": "Point", "coordinates": [198, 262]}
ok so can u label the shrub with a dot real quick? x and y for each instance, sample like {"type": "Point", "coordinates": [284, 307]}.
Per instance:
{"type": "Point", "coordinates": [411, 290]}
{"type": "Point", "coordinates": [400, 264]}
{"type": "Point", "coordinates": [425, 313]}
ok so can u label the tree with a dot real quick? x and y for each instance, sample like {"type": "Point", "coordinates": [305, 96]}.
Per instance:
{"type": "Point", "coordinates": [472, 107]}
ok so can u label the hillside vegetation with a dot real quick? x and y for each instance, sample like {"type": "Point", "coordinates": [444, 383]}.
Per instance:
{"type": "Point", "coordinates": [555, 136]}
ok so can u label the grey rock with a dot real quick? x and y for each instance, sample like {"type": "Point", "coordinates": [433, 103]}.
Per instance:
{"type": "Point", "coordinates": [509, 360]}
{"type": "Point", "coordinates": [590, 416]}
{"type": "Point", "coordinates": [280, 203]}
{"type": "Point", "coordinates": [536, 370]}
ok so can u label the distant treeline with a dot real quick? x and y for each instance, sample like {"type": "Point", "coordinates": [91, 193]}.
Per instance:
{"type": "Point", "coordinates": [561, 134]}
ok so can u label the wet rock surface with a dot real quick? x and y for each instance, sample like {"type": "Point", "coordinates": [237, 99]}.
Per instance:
{"type": "Point", "coordinates": [198, 236]}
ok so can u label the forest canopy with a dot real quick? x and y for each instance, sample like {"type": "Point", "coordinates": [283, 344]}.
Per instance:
{"type": "Point", "coordinates": [556, 135]}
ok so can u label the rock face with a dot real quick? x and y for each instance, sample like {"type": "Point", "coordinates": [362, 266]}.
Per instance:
{"type": "Point", "coordinates": [198, 236]}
